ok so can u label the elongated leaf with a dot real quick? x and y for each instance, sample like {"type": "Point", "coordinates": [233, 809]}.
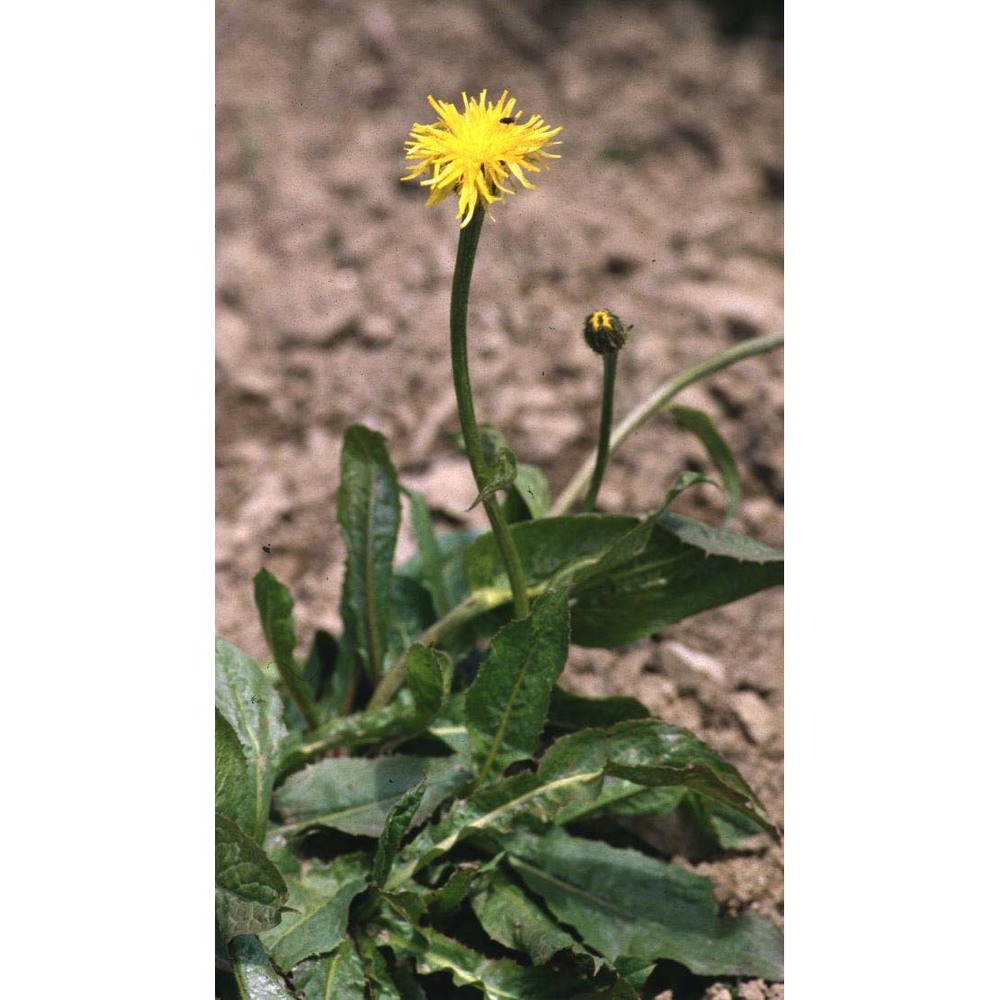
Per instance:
{"type": "Point", "coordinates": [623, 903]}
{"type": "Point", "coordinates": [316, 918]}
{"type": "Point", "coordinates": [714, 542]}
{"type": "Point", "coordinates": [449, 726]}
{"type": "Point", "coordinates": [569, 779]}
{"type": "Point", "coordinates": [625, 584]}
{"type": "Point", "coordinates": [687, 567]}
{"type": "Point", "coordinates": [432, 559]}
{"type": "Point", "coordinates": [234, 788]}
{"type": "Point", "coordinates": [574, 711]}
{"type": "Point", "coordinates": [339, 976]}
{"type": "Point", "coordinates": [497, 978]}
{"type": "Point", "coordinates": [412, 614]}
{"type": "Point", "coordinates": [622, 551]}
{"type": "Point", "coordinates": [428, 679]}
{"type": "Point", "coordinates": [252, 707]}
{"type": "Point", "coordinates": [700, 424]}
{"type": "Point", "coordinates": [322, 671]}
{"type": "Point", "coordinates": [569, 772]}
{"type": "Point", "coordinates": [249, 890]}
{"type": "Point", "coordinates": [445, 901]}
{"type": "Point", "coordinates": [368, 514]}
{"type": "Point", "coordinates": [422, 697]}
{"type": "Point", "coordinates": [506, 706]}
{"type": "Point", "coordinates": [356, 795]}
{"type": "Point", "coordinates": [549, 548]}
{"type": "Point", "coordinates": [516, 921]}
{"type": "Point", "coordinates": [274, 604]}
{"type": "Point", "coordinates": [396, 825]}
{"type": "Point", "coordinates": [655, 754]}
{"type": "Point", "coordinates": [255, 976]}
{"type": "Point", "coordinates": [625, 798]}
{"type": "Point", "coordinates": [728, 827]}
{"type": "Point", "coordinates": [451, 547]}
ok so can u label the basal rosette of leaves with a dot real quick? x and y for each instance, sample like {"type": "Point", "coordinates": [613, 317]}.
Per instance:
{"type": "Point", "coordinates": [415, 808]}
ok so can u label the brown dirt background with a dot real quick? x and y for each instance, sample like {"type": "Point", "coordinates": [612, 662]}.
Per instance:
{"type": "Point", "coordinates": [333, 288]}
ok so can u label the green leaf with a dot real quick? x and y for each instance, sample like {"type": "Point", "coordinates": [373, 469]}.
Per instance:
{"type": "Point", "coordinates": [252, 707]}
{"type": "Point", "coordinates": [623, 903]}
{"type": "Point", "coordinates": [377, 977]}
{"type": "Point", "coordinates": [655, 754]}
{"type": "Point", "coordinates": [635, 971]}
{"type": "Point", "coordinates": [502, 472]}
{"type": "Point", "coordinates": [274, 604]}
{"type": "Point", "coordinates": [625, 798]}
{"type": "Point", "coordinates": [687, 567]}
{"type": "Point", "coordinates": [569, 779]}
{"type": "Point", "coordinates": [497, 978]}
{"type": "Point", "coordinates": [322, 671]}
{"type": "Point", "coordinates": [368, 514]}
{"type": "Point", "coordinates": [714, 542]}
{"type": "Point", "coordinates": [445, 901]}
{"type": "Point", "coordinates": [357, 795]}
{"type": "Point", "coordinates": [449, 726]}
{"type": "Point", "coordinates": [249, 890]}
{"type": "Point", "coordinates": [234, 789]}
{"type": "Point", "coordinates": [622, 551]}
{"type": "Point", "coordinates": [451, 547]}
{"type": "Point", "coordinates": [685, 481]}
{"type": "Point", "coordinates": [516, 921]}
{"type": "Point", "coordinates": [548, 547]}
{"type": "Point", "coordinates": [569, 772]}
{"type": "Point", "coordinates": [700, 424]}
{"type": "Point", "coordinates": [339, 976]}
{"type": "Point", "coordinates": [431, 557]}
{"type": "Point", "coordinates": [419, 701]}
{"type": "Point", "coordinates": [621, 990]}
{"type": "Point", "coordinates": [532, 487]}
{"type": "Point", "coordinates": [412, 613]}
{"type": "Point", "coordinates": [574, 711]}
{"type": "Point", "coordinates": [255, 976]}
{"type": "Point", "coordinates": [397, 824]}
{"type": "Point", "coordinates": [728, 827]}
{"type": "Point", "coordinates": [628, 577]}
{"type": "Point", "coordinates": [428, 679]}
{"type": "Point", "coordinates": [315, 920]}
{"type": "Point", "coordinates": [506, 706]}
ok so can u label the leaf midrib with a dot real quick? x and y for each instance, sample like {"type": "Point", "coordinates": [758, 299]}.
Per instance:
{"type": "Point", "coordinates": [495, 744]}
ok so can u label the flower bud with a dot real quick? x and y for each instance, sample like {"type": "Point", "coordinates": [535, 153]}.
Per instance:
{"type": "Point", "coordinates": [604, 332]}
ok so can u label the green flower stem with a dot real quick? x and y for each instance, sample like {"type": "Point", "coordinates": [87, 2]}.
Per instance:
{"type": "Point", "coordinates": [468, 240]}
{"type": "Point", "coordinates": [656, 401]}
{"type": "Point", "coordinates": [607, 408]}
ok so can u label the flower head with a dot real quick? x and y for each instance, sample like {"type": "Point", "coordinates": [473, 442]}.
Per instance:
{"type": "Point", "coordinates": [604, 332]}
{"type": "Point", "coordinates": [473, 152]}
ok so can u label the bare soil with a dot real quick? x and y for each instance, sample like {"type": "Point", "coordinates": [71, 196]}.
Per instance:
{"type": "Point", "coordinates": [333, 290]}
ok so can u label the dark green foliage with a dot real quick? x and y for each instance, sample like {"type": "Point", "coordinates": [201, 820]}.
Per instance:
{"type": "Point", "coordinates": [249, 890]}
{"type": "Point", "coordinates": [368, 513]}
{"type": "Point", "coordinates": [628, 578]}
{"type": "Point", "coordinates": [443, 843]}
{"type": "Point", "coordinates": [506, 706]}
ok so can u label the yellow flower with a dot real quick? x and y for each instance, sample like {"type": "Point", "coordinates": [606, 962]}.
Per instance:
{"type": "Point", "coordinates": [474, 151]}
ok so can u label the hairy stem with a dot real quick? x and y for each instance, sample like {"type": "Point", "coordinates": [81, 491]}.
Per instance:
{"type": "Point", "coordinates": [468, 240]}
{"type": "Point", "coordinates": [607, 408]}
